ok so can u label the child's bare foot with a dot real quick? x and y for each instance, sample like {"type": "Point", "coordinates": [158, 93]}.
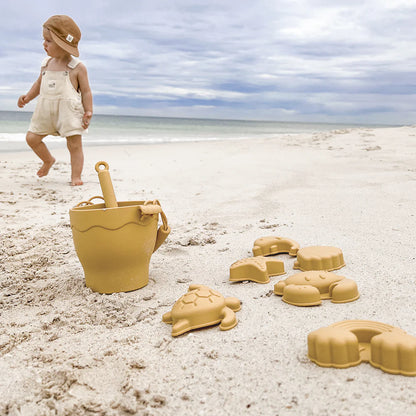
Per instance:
{"type": "Point", "coordinates": [76, 182]}
{"type": "Point", "coordinates": [44, 170]}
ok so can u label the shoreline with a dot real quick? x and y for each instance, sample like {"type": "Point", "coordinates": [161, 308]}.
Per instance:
{"type": "Point", "coordinates": [68, 349]}
{"type": "Point", "coordinates": [131, 130]}
{"type": "Point", "coordinates": [61, 143]}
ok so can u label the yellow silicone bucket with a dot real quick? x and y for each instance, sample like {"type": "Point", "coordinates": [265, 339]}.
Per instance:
{"type": "Point", "coordinates": [114, 244]}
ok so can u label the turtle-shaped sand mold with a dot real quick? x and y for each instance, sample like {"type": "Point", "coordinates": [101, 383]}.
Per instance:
{"type": "Point", "coordinates": [202, 306]}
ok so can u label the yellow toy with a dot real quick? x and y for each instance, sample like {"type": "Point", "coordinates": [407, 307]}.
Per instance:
{"type": "Point", "coordinates": [257, 269]}
{"type": "Point", "coordinates": [267, 246]}
{"type": "Point", "coordinates": [200, 307]}
{"type": "Point", "coordinates": [308, 288]}
{"type": "Point", "coordinates": [348, 343]}
{"type": "Point", "coordinates": [319, 258]}
{"type": "Point", "coordinates": [115, 240]}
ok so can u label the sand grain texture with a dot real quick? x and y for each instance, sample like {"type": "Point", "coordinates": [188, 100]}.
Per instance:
{"type": "Point", "coordinates": [65, 350]}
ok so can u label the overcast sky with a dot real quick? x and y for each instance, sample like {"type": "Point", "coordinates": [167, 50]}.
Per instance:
{"type": "Point", "coordinates": [294, 60]}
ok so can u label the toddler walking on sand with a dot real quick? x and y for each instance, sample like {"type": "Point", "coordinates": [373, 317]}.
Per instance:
{"type": "Point", "coordinates": [64, 107]}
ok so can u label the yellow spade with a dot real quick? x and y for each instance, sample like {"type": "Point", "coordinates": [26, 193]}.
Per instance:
{"type": "Point", "coordinates": [115, 240]}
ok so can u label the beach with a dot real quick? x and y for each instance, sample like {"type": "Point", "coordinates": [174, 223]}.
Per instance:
{"type": "Point", "coordinates": [66, 350]}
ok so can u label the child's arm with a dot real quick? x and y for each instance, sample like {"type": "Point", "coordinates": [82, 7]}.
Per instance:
{"type": "Point", "coordinates": [86, 94]}
{"type": "Point", "coordinates": [32, 93]}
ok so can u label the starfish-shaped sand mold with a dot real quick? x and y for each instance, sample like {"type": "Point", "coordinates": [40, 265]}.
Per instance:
{"type": "Point", "coordinates": [256, 269]}
{"type": "Point", "coordinates": [200, 307]}
{"type": "Point", "coordinates": [308, 288]}
{"type": "Point", "coordinates": [348, 343]}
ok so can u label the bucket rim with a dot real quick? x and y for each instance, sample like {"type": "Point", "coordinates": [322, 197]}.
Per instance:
{"type": "Point", "coordinates": [101, 206]}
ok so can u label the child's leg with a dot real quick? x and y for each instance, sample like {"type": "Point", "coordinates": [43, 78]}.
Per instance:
{"type": "Point", "coordinates": [37, 145]}
{"type": "Point", "coordinates": [74, 144]}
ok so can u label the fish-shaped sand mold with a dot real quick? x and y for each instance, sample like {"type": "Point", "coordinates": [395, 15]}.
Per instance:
{"type": "Point", "coordinates": [348, 343]}
{"type": "Point", "coordinates": [202, 306]}
{"type": "Point", "coordinates": [268, 246]}
{"type": "Point", "coordinates": [256, 269]}
{"type": "Point", "coordinates": [310, 288]}
{"type": "Point", "coordinates": [319, 258]}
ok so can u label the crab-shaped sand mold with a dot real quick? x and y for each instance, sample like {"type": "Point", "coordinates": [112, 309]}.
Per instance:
{"type": "Point", "coordinates": [256, 269]}
{"type": "Point", "coordinates": [200, 307]}
{"type": "Point", "coordinates": [319, 258]}
{"type": "Point", "coordinates": [348, 343]}
{"type": "Point", "coordinates": [309, 288]}
{"type": "Point", "coordinates": [267, 246]}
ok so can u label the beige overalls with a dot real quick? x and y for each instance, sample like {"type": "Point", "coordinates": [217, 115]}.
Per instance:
{"type": "Point", "coordinates": [59, 107]}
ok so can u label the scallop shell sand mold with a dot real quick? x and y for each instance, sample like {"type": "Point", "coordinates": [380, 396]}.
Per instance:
{"type": "Point", "coordinates": [348, 343]}
{"type": "Point", "coordinates": [202, 306]}
{"type": "Point", "coordinates": [309, 288]}
{"type": "Point", "coordinates": [319, 258]}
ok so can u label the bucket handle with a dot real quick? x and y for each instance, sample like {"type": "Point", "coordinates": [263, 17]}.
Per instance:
{"type": "Point", "coordinates": [164, 229]}
{"type": "Point", "coordinates": [162, 232]}
{"type": "Point", "coordinates": [83, 203]}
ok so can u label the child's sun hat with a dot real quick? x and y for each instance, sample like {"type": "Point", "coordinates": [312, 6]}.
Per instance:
{"type": "Point", "coordinates": [65, 33]}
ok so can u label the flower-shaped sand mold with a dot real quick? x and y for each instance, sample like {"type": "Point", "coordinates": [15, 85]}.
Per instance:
{"type": "Point", "coordinates": [267, 246]}
{"type": "Point", "coordinates": [319, 258]}
{"type": "Point", "coordinates": [348, 343]}
{"type": "Point", "coordinates": [308, 288]}
{"type": "Point", "coordinates": [200, 307]}
{"type": "Point", "coordinates": [257, 269]}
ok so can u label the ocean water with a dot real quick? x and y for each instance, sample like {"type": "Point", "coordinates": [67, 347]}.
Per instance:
{"type": "Point", "coordinates": [110, 130]}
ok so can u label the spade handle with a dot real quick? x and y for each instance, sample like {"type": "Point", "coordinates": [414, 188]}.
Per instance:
{"type": "Point", "coordinates": [106, 184]}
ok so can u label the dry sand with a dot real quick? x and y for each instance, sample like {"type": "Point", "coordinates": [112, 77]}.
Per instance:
{"type": "Point", "coordinates": [65, 350]}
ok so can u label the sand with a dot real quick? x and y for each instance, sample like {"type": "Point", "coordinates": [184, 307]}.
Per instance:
{"type": "Point", "coordinates": [65, 350]}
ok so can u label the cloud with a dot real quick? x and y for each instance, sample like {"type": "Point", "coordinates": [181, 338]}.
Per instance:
{"type": "Point", "coordinates": [300, 59]}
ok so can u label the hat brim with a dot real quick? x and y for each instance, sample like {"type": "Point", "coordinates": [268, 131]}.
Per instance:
{"type": "Point", "coordinates": [73, 50]}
